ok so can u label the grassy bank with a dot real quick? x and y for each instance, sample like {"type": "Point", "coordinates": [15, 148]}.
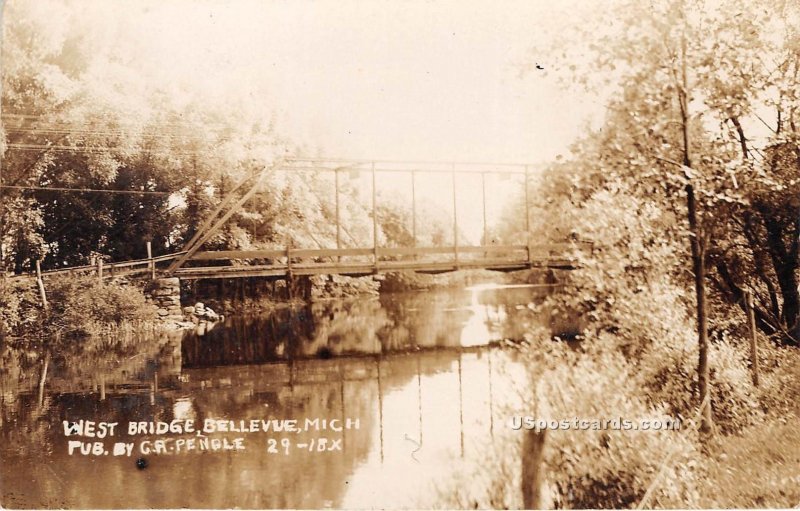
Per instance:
{"type": "Point", "coordinates": [76, 307]}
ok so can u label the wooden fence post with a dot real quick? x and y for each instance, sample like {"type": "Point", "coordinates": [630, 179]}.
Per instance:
{"type": "Point", "coordinates": [100, 269]}
{"type": "Point", "coordinates": [151, 264]}
{"type": "Point", "coordinates": [751, 322]}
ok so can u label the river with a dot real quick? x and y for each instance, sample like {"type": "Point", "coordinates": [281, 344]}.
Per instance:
{"type": "Point", "coordinates": [387, 402]}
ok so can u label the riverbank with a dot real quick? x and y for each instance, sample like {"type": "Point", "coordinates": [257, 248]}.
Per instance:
{"type": "Point", "coordinates": [241, 296]}
{"type": "Point", "coordinates": [637, 360]}
{"type": "Point", "coordinates": [70, 308]}
{"type": "Point", "coordinates": [79, 306]}
{"type": "Point", "coordinates": [413, 281]}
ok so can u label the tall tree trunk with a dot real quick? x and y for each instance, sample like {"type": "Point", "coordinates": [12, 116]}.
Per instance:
{"type": "Point", "coordinates": [699, 268]}
{"type": "Point", "coordinates": [785, 262]}
{"type": "Point", "coordinates": [698, 256]}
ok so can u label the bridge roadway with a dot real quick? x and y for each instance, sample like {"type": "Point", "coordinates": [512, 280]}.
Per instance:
{"type": "Point", "coordinates": [282, 263]}
{"type": "Point", "coordinates": [367, 261]}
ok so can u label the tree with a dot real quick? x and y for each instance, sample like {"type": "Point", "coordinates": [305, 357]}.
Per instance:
{"type": "Point", "coordinates": [79, 113]}
{"type": "Point", "coordinates": [687, 81]}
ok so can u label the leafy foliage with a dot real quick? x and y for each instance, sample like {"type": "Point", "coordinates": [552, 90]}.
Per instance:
{"type": "Point", "coordinates": [624, 190]}
{"type": "Point", "coordinates": [77, 308]}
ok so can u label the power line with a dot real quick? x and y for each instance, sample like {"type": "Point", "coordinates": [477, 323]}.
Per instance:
{"type": "Point", "coordinates": [405, 162]}
{"type": "Point", "coordinates": [148, 131]}
{"type": "Point", "coordinates": [92, 190]}
{"type": "Point", "coordinates": [42, 147]}
{"type": "Point", "coordinates": [76, 131]}
{"type": "Point", "coordinates": [91, 150]}
{"type": "Point", "coordinates": [178, 125]}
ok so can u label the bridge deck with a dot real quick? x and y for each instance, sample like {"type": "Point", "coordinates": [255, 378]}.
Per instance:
{"type": "Point", "coordinates": [279, 263]}
{"type": "Point", "coordinates": [360, 269]}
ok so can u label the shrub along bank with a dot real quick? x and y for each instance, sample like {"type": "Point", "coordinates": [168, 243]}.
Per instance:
{"type": "Point", "coordinates": [637, 359]}
{"type": "Point", "coordinates": [76, 308]}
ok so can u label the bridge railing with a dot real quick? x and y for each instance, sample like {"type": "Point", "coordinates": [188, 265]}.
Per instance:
{"type": "Point", "coordinates": [103, 269]}
{"type": "Point", "coordinates": [353, 260]}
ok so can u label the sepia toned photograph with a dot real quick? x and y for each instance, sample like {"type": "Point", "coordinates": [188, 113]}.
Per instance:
{"type": "Point", "coordinates": [400, 254]}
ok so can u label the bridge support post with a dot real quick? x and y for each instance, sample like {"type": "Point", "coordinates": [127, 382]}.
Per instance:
{"type": "Point", "coordinates": [374, 222]}
{"type": "Point", "coordinates": [289, 276]}
{"type": "Point", "coordinates": [527, 218]}
{"type": "Point", "coordinates": [299, 286]}
{"type": "Point", "coordinates": [338, 221]}
{"type": "Point", "coordinates": [455, 219]}
{"type": "Point", "coordinates": [165, 294]}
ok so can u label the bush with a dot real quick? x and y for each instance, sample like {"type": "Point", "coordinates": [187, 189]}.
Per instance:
{"type": "Point", "coordinates": [638, 359]}
{"type": "Point", "coordinates": [606, 468]}
{"type": "Point", "coordinates": [19, 305]}
{"type": "Point", "coordinates": [82, 305]}
{"type": "Point", "coordinates": [77, 307]}
{"type": "Point", "coordinates": [635, 301]}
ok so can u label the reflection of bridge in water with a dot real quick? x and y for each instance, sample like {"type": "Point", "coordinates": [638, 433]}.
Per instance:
{"type": "Point", "coordinates": [282, 382]}
{"type": "Point", "coordinates": [384, 373]}
{"type": "Point", "coordinates": [428, 406]}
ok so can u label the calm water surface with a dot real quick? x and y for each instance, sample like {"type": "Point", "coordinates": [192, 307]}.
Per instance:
{"type": "Point", "coordinates": [423, 375]}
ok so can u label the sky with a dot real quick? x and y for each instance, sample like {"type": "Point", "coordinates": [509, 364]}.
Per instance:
{"type": "Point", "coordinates": [397, 80]}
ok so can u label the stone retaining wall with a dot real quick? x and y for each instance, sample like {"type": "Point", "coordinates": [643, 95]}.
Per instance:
{"type": "Point", "coordinates": [166, 295]}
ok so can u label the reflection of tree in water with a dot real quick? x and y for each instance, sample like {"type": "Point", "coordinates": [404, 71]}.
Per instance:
{"type": "Point", "coordinates": [31, 407]}
{"type": "Point", "coordinates": [300, 480]}
{"type": "Point", "coordinates": [422, 319]}
{"type": "Point", "coordinates": [322, 329]}
{"type": "Point", "coordinates": [94, 361]}
{"type": "Point", "coordinates": [347, 327]}
{"type": "Point", "coordinates": [395, 322]}
{"type": "Point", "coordinates": [510, 312]}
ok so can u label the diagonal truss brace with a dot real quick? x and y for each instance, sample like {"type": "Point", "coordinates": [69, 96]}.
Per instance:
{"type": "Point", "coordinates": [207, 230]}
